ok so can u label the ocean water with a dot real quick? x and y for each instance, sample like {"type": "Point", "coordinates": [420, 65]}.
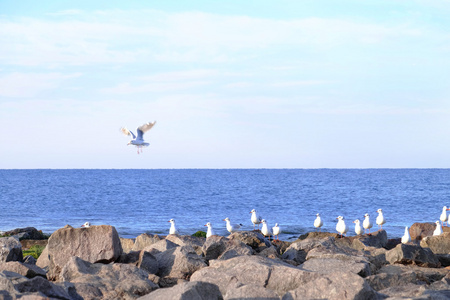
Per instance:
{"type": "Point", "coordinates": [139, 201]}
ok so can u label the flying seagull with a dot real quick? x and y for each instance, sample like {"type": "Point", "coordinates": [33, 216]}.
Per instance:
{"type": "Point", "coordinates": [139, 140]}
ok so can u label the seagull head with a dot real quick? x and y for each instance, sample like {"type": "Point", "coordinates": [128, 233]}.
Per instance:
{"type": "Point", "coordinates": [226, 219]}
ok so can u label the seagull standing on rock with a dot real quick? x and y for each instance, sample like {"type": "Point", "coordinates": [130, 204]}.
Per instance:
{"type": "Point", "coordinates": [444, 216]}
{"type": "Point", "coordinates": [358, 229]}
{"type": "Point", "coordinates": [276, 231]}
{"type": "Point", "coordinates": [318, 221]}
{"type": "Point", "coordinates": [138, 140]}
{"type": "Point", "coordinates": [406, 238]}
{"type": "Point", "coordinates": [341, 227]}
{"type": "Point", "coordinates": [256, 219]}
{"type": "Point", "coordinates": [380, 219]}
{"type": "Point", "coordinates": [438, 230]}
{"type": "Point", "coordinates": [366, 223]}
{"type": "Point", "coordinates": [210, 231]}
{"type": "Point", "coordinates": [173, 229]}
{"type": "Point", "coordinates": [232, 227]}
{"type": "Point", "coordinates": [86, 225]}
{"type": "Point", "coordinates": [265, 229]}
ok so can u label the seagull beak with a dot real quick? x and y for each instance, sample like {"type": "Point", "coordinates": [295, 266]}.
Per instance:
{"type": "Point", "coordinates": [206, 225]}
{"type": "Point", "coordinates": [223, 220]}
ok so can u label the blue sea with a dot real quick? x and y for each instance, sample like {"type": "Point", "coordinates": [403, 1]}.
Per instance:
{"type": "Point", "coordinates": [142, 201]}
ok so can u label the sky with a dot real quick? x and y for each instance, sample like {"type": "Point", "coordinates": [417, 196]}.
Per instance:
{"type": "Point", "coordinates": [231, 84]}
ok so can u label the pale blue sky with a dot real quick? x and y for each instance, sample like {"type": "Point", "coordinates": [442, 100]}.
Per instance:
{"type": "Point", "coordinates": [232, 84]}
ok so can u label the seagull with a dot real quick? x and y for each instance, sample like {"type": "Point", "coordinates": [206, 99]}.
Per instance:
{"type": "Point", "coordinates": [438, 230]}
{"type": "Point", "coordinates": [366, 223]}
{"type": "Point", "coordinates": [406, 238]}
{"type": "Point", "coordinates": [318, 222]}
{"type": "Point", "coordinates": [256, 219]}
{"type": "Point", "coordinates": [86, 225]}
{"type": "Point", "coordinates": [265, 229]}
{"type": "Point", "coordinates": [276, 230]}
{"type": "Point", "coordinates": [380, 219]}
{"type": "Point", "coordinates": [358, 228]}
{"type": "Point", "coordinates": [341, 227]}
{"type": "Point", "coordinates": [232, 227]}
{"type": "Point", "coordinates": [444, 216]}
{"type": "Point", "coordinates": [210, 231]}
{"type": "Point", "coordinates": [173, 229]}
{"type": "Point", "coordinates": [139, 140]}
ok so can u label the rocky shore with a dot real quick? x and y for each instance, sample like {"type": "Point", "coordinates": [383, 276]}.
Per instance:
{"type": "Point", "coordinates": [95, 263]}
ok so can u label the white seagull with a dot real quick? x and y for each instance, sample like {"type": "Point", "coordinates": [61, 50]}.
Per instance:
{"type": "Point", "coordinates": [341, 227]}
{"type": "Point", "coordinates": [210, 231]}
{"type": "Point", "coordinates": [438, 230]}
{"type": "Point", "coordinates": [444, 216]}
{"type": "Point", "coordinates": [318, 221]}
{"type": "Point", "coordinates": [265, 229]}
{"type": "Point", "coordinates": [138, 140]}
{"type": "Point", "coordinates": [173, 229]}
{"type": "Point", "coordinates": [86, 225]}
{"type": "Point", "coordinates": [380, 219]}
{"type": "Point", "coordinates": [406, 238]}
{"type": "Point", "coordinates": [232, 227]}
{"type": "Point", "coordinates": [366, 223]}
{"type": "Point", "coordinates": [358, 229]}
{"type": "Point", "coordinates": [256, 219]}
{"type": "Point", "coordinates": [276, 230]}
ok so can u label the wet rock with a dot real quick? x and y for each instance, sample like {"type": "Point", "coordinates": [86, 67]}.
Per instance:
{"type": "Point", "coordinates": [93, 244]}
{"type": "Point", "coordinates": [412, 254]}
{"type": "Point", "coordinates": [10, 249]}
{"type": "Point", "coordinates": [144, 240]}
{"type": "Point", "coordinates": [186, 290]}
{"type": "Point", "coordinates": [179, 262]}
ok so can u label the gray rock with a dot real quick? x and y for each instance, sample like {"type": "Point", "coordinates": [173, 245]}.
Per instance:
{"type": "Point", "coordinates": [23, 269]}
{"type": "Point", "coordinates": [186, 290]}
{"type": "Point", "coordinates": [10, 249]}
{"type": "Point", "coordinates": [317, 235]}
{"type": "Point", "coordinates": [187, 240]}
{"type": "Point", "coordinates": [160, 246]}
{"type": "Point", "coordinates": [354, 265]}
{"type": "Point", "coordinates": [43, 286]}
{"type": "Point", "coordinates": [298, 250]}
{"type": "Point", "coordinates": [383, 281]}
{"type": "Point", "coordinates": [147, 262]}
{"type": "Point", "coordinates": [378, 239]}
{"type": "Point", "coordinates": [219, 247]}
{"type": "Point", "coordinates": [43, 260]}
{"type": "Point", "coordinates": [438, 244]}
{"type": "Point", "coordinates": [418, 231]}
{"type": "Point", "coordinates": [6, 286]}
{"type": "Point", "coordinates": [145, 240]}
{"type": "Point", "coordinates": [93, 244]}
{"type": "Point", "coordinates": [28, 233]}
{"type": "Point", "coordinates": [127, 244]}
{"type": "Point", "coordinates": [112, 281]}
{"type": "Point", "coordinates": [405, 291]}
{"type": "Point", "coordinates": [179, 262]}
{"type": "Point", "coordinates": [338, 285]}
{"type": "Point", "coordinates": [412, 254]}
{"type": "Point", "coordinates": [250, 291]}
{"type": "Point", "coordinates": [29, 260]}
{"type": "Point", "coordinates": [254, 239]}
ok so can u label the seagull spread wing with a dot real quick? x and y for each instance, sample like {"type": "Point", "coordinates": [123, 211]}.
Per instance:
{"type": "Point", "coordinates": [144, 128]}
{"type": "Point", "coordinates": [127, 132]}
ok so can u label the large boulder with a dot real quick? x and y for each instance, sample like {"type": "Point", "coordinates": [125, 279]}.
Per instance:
{"type": "Point", "coordinates": [378, 239]}
{"type": "Point", "coordinates": [10, 249]}
{"type": "Point", "coordinates": [43, 260]}
{"type": "Point", "coordinates": [95, 244]}
{"type": "Point", "coordinates": [412, 254]}
{"type": "Point", "coordinates": [26, 270]}
{"type": "Point", "coordinates": [219, 247]}
{"type": "Point", "coordinates": [356, 265]}
{"type": "Point", "coordinates": [100, 281]}
{"type": "Point", "coordinates": [179, 262]}
{"type": "Point", "coordinates": [160, 246]}
{"type": "Point", "coordinates": [145, 240]}
{"type": "Point", "coordinates": [42, 287]}
{"type": "Point", "coordinates": [317, 235]}
{"type": "Point", "coordinates": [298, 250]}
{"type": "Point", "coordinates": [438, 244]}
{"type": "Point", "coordinates": [418, 231]}
{"type": "Point", "coordinates": [186, 290]}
